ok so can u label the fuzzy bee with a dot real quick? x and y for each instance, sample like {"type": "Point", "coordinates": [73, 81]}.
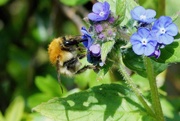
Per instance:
{"type": "Point", "coordinates": [65, 53]}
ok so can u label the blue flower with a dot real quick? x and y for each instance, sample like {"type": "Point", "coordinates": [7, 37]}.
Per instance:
{"type": "Point", "coordinates": [141, 15]}
{"type": "Point", "coordinates": [95, 50]}
{"type": "Point", "coordinates": [88, 41]}
{"type": "Point", "coordinates": [143, 42]}
{"type": "Point", "coordinates": [94, 54]}
{"type": "Point", "coordinates": [100, 12]}
{"type": "Point", "coordinates": [165, 29]}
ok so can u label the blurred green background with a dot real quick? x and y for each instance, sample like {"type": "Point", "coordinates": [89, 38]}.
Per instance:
{"type": "Point", "coordinates": [26, 76]}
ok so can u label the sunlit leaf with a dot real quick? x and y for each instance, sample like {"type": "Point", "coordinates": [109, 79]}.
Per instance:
{"type": "Point", "coordinates": [48, 85]}
{"type": "Point", "coordinates": [2, 2]}
{"type": "Point", "coordinates": [15, 110]}
{"type": "Point", "coordinates": [170, 54]}
{"type": "Point", "coordinates": [101, 103]}
{"type": "Point", "coordinates": [1, 117]}
{"type": "Point", "coordinates": [105, 49]}
{"type": "Point", "coordinates": [74, 2]}
{"type": "Point", "coordinates": [130, 4]}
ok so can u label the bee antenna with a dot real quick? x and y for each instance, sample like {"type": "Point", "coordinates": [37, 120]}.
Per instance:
{"type": "Point", "coordinates": [58, 74]}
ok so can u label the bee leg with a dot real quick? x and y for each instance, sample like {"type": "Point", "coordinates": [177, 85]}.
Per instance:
{"type": "Point", "coordinates": [58, 74]}
{"type": "Point", "coordinates": [85, 68]}
{"type": "Point", "coordinates": [80, 56]}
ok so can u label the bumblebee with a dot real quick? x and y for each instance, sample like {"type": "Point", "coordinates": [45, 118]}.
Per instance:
{"type": "Point", "coordinates": [65, 53]}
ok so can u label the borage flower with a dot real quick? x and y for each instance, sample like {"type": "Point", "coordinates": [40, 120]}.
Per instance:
{"type": "Point", "coordinates": [94, 54]}
{"type": "Point", "coordinates": [100, 12]}
{"type": "Point", "coordinates": [87, 37]}
{"type": "Point", "coordinates": [141, 15]}
{"type": "Point", "coordinates": [143, 42]}
{"type": "Point", "coordinates": [164, 29]}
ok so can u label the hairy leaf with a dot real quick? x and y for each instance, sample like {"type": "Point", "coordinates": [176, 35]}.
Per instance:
{"type": "Point", "coordinates": [101, 103]}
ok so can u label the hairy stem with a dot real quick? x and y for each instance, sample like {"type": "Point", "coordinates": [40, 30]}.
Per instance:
{"type": "Point", "coordinates": [134, 88]}
{"type": "Point", "coordinates": [154, 90]}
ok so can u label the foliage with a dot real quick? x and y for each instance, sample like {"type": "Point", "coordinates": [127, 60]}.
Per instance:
{"type": "Point", "coordinates": [29, 88]}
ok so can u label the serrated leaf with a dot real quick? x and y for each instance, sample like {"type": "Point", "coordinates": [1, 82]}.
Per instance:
{"type": "Point", "coordinates": [136, 63]}
{"type": "Point", "coordinates": [74, 2]}
{"type": "Point", "coordinates": [102, 103]}
{"type": "Point", "coordinates": [105, 49]}
{"type": "Point", "coordinates": [170, 54]}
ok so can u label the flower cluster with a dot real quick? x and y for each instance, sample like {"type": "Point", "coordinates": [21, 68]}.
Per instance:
{"type": "Point", "coordinates": [150, 37]}
{"type": "Point", "coordinates": [101, 30]}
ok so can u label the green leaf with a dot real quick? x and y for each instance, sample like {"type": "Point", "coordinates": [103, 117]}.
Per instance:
{"type": "Point", "coordinates": [38, 98]}
{"type": "Point", "coordinates": [15, 110]}
{"type": "Point", "coordinates": [74, 2]}
{"type": "Point", "coordinates": [136, 63]}
{"type": "Point", "coordinates": [48, 85]}
{"type": "Point", "coordinates": [106, 48]}
{"type": "Point", "coordinates": [102, 103]}
{"type": "Point", "coordinates": [129, 5]}
{"type": "Point", "coordinates": [1, 117]}
{"type": "Point", "coordinates": [2, 2]}
{"type": "Point", "coordinates": [117, 8]}
{"type": "Point", "coordinates": [170, 54]}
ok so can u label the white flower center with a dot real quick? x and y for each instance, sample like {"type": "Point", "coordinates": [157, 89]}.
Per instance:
{"type": "Point", "coordinates": [142, 17]}
{"type": "Point", "coordinates": [144, 41]}
{"type": "Point", "coordinates": [162, 30]}
{"type": "Point", "coordinates": [101, 14]}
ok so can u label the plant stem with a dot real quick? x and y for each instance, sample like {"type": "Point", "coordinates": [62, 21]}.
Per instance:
{"type": "Point", "coordinates": [154, 90]}
{"type": "Point", "coordinates": [134, 88]}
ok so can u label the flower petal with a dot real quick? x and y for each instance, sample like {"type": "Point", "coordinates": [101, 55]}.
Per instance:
{"type": "Point", "coordinates": [137, 12]}
{"type": "Point", "coordinates": [97, 7]}
{"type": "Point", "coordinates": [165, 39]}
{"type": "Point", "coordinates": [95, 49]}
{"type": "Point", "coordinates": [138, 49]}
{"type": "Point", "coordinates": [164, 21]}
{"type": "Point", "coordinates": [135, 39]}
{"type": "Point", "coordinates": [150, 13]}
{"type": "Point", "coordinates": [143, 32]}
{"type": "Point", "coordinates": [172, 29]}
{"type": "Point", "coordinates": [94, 17]}
{"type": "Point", "coordinates": [149, 49]}
{"type": "Point", "coordinates": [106, 6]}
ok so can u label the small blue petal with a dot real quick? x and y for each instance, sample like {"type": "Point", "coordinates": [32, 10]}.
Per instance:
{"type": "Point", "coordinates": [137, 12]}
{"type": "Point", "coordinates": [150, 13]}
{"type": "Point", "coordinates": [135, 39]}
{"type": "Point", "coordinates": [106, 6]}
{"type": "Point", "coordinates": [97, 7]}
{"type": "Point", "coordinates": [172, 29]}
{"type": "Point", "coordinates": [149, 49]}
{"type": "Point", "coordinates": [165, 39]}
{"type": "Point", "coordinates": [164, 21]}
{"type": "Point", "coordinates": [86, 36]}
{"type": "Point", "coordinates": [138, 49]}
{"type": "Point", "coordinates": [100, 12]}
{"type": "Point", "coordinates": [142, 15]}
{"type": "Point", "coordinates": [143, 32]}
{"type": "Point", "coordinates": [165, 30]}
